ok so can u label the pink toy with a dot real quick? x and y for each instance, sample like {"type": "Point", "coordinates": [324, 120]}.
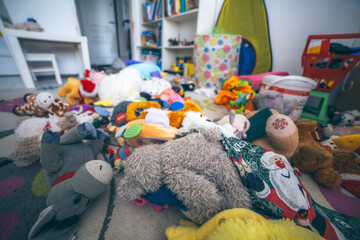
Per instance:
{"type": "Point", "coordinates": [257, 78]}
{"type": "Point", "coordinates": [95, 76]}
{"type": "Point", "coordinates": [172, 99]}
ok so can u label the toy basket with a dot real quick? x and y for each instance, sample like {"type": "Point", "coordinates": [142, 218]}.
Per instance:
{"type": "Point", "coordinates": [326, 68]}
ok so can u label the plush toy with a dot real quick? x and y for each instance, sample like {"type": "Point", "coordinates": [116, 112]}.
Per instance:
{"type": "Point", "coordinates": [324, 164]}
{"type": "Point", "coordinates": [194, 168]}
{"type": "Point", "coordinates": [239, 223]}
{"type": "Point", "coordinates": [345, 118]}
{"type": "Point", "coordinates": [155, 86]}
{"type": "Point", "coordinates": [273, 131]}
{"type": "Point", "coordinates": [41, 105]}
{"type": "Point", "coordinates": [30, 130]}
{"type": "Point", "coordinates": [122, 86]}
{"type": "Point", "coordinates": [350, 142]}
{"type": "Point", "coordinates": [236, 123]}
{"type": "Point", "coordinates": [237, 92]}
{"type": "Point", "coordinates": [275, 101]}
{"type": "Point", "coordinates": [95, 76]}
{"type": "Point", "coordinates": [68, 198]}
{"type": "Point", "coordinates": [79, 91]}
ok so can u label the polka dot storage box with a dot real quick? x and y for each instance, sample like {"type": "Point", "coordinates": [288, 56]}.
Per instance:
{"type": "Point", "coordinates": [216, 58]}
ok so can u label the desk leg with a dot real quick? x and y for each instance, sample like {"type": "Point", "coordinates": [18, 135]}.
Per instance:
{"type": "Point", "coordinates": [83, 59]}
{"type": "Point", "coordinates": [20, 61]}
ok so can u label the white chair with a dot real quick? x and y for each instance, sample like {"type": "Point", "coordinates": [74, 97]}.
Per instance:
{"type": "Point", "coordinates": [43, 57]}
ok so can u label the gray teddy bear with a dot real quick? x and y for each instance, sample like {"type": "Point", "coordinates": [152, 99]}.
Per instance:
{"type": "Point", "coordinates": [74, 177]}
{"type": "Point", "coordinates": [195, 168]}
{"type": "Point", "coordinates": [274, 100]}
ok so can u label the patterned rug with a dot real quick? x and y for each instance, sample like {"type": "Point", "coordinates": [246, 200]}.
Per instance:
{"type": "Point", "coordinates": [23, 194]}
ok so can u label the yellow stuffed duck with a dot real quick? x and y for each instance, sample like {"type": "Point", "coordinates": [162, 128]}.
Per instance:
{"type": "Point", "coordinates": [239, 223]}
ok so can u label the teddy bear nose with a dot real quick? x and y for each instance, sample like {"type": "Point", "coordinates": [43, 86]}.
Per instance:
{"type": "Point", "coordinates": [280, 164]}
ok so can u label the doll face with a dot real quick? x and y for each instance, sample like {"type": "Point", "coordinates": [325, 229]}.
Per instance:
{"type": "Point", "coordinates": [278, 160]}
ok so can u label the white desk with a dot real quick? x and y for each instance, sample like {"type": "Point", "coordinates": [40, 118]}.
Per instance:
{"type": "Point", "coordinates": [14, 36]}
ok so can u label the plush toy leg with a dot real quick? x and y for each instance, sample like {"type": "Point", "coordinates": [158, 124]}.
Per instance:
{"type": "Point", "coordinates": [49, 151]}
{"type": "Point", "coordinates": [328, 177]}
{"type": "Point", "coordinates": [98, 143]}
{"type": "Point", "coordinates": [83, 131]}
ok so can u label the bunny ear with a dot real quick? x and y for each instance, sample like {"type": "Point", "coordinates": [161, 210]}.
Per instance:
{"type": "Point", "coordinates": [46, 216]}
{"type": "Point", "coordinates": [232, 114]}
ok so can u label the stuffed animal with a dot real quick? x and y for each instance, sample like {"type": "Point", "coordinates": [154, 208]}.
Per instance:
{"type": "Point", "coordinates": [41, 105]}
{"type": "Point", "coordinates": [122, 86]}
{"type": "Point", "coordinates": [275, 101]}
{"type": "Point", "coordinates": [30, 130]}
{"type": "Point", "coordinates": [239, 223]}
{"type": "Point", "coordinates": [326, 165]}
{"type": "Point", "coordinates": [273, 131]}
{"type": "Point", "coordinates": [79, 91]}
{"type": "Point", "coordinates": [69, 197]}
{"type": "Point", "coordinates": [236, 123]}
{"type": "Point", "coordinates": [194, 168]}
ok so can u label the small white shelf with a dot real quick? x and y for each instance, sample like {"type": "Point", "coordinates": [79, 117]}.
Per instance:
{"type": "Point", "coordinates": [186, 16]}
{"type": "Point", "coordinates": [151, 24]}
{"type": "Point", "coordinates": [179, 47]}
{"type": "Point", "coordinates": [148, 47]}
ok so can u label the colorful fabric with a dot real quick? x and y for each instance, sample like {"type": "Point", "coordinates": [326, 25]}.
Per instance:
{"type": "Point", "coordinates": [276, 188]}
{"type": "Point", "coordinates": [216, 58]}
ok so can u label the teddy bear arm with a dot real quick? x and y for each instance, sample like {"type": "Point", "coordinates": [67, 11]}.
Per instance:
{"type": "Point", "coordinates": [346, 161]}
{"type": "Point", "coordinates": [328, 177]}
{"type": "Point", "coordinates": [309, 158]}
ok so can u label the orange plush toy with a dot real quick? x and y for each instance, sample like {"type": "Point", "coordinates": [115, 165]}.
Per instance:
{"type": "Point", "coordinates": [79, 92]}
{"type": "Point", "coordinates": [236, 94]}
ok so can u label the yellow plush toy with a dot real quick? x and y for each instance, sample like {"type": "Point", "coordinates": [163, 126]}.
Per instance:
{"type": "Point", "coordinates": [350, 142]}
{"type": "Point", "coordinates": [239, 223]}
{"type": "Point", "coordinates": [71, 90]}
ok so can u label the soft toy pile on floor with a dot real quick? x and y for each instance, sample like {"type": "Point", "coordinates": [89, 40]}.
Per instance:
{"type": "Point", "coordinates": [217, 172]}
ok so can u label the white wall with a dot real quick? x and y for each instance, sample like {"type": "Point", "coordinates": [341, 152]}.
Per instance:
{"type": "Point", "coordinates": [290, 23]}
{"type": "Point", "coordinates": [54, 16]}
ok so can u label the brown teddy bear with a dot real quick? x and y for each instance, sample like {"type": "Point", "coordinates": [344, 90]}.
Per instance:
{"type": "Point", "coordinates": [272, 130]}
{"type": "Point", "coordinates": [325, 164]}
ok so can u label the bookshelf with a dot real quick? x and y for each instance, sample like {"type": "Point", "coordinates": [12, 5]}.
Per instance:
{"type": "Point", "coordinates": [176, 25]}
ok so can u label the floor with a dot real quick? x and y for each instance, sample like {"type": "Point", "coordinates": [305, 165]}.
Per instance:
{"type": "Point", "coordinates": [15, 82]}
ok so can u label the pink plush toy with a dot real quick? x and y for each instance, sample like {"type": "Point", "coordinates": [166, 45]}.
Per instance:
{"type": "Point", "coordinates": [257, 78]}
{"type": "Point", "coordinates": [172, 99]}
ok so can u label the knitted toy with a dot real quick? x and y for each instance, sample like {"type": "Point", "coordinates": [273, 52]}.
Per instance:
{"type": "Point", "coordinates": [273, 131]}
{"type": "Point", "coordinates": [194, 168]}
{"type": "Point", "coordinates": [233, 90]}
{"type": "Point", "coordinates": [30, 130]}
{"type": "Point", "coordinates": [324, 164]}
{"type": "Point", "coordinates": [122, 86]}
{"type": "Point", "coordinates": [239, 222]}
{"type": "Point", "coordinates": [41, 105]}
{"type": "Point", "coordinates": [275, 101]}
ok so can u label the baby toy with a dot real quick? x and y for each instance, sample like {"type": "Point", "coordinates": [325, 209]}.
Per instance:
{"type": "Point", "coordinates": [73, 176]}
{"type": "Point", "coordinates": [29, 132]}
{"type": "Point", "coordinates": [275, 101]}
{"type": "Point", "coordinates": [41, 105]}
{"type": "Point", "coordinates": [233, 89]}
{"type": "Point", "coordinates": [324, 164]}
{"type": "Point", "coordinates": [122, 86]}
{"type": "Point", "coordinates": [236, 123]}
{"type": "Point", "coordinates": [79, 91]}
{"type": "Point", "coordinates": [69, 197]}
{"type": "Point", "coordinates": [273, 131]}
{"type": "Point", "coordinates": [236, 222]}
{"type": "Point", "coordinates": [193, 169]}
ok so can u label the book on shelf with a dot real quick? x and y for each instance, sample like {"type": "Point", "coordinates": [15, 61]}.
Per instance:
{"type": "Point", "coordinates": [152, 10]}
{"type": "Point", "coordinates": [175, 7]}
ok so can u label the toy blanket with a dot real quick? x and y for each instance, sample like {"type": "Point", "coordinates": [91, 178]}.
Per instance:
{"type": "Point", "coordinates": [276, 188]}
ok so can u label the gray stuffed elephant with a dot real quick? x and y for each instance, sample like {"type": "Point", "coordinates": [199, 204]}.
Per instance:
{"type": "Point", "coordinates": [75, 179]}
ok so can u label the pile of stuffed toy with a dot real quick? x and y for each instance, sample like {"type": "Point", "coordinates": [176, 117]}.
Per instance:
{"type": "Point", "coordinates": [221, 172]}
